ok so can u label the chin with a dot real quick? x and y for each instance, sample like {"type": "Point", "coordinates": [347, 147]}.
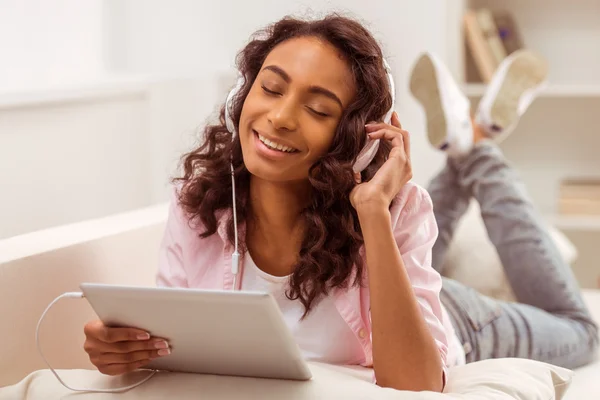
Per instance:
{"type": "Point", "coordinates": [265, 172]}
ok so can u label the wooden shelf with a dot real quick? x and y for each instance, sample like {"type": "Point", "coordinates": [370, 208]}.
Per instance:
{"type": "Point", "coordinates": [589, 223]}
{"type": "Point", "coordinates": [475, 90]}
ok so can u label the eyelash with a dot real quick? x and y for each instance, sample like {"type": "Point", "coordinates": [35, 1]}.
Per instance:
{"type": "Point", "coordinates": [320, 114]}
{"type": "Point", "coordinates": [270, 91]}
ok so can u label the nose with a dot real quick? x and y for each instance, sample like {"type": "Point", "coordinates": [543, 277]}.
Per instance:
{"type": "Point", "coordinates": [283, 114]}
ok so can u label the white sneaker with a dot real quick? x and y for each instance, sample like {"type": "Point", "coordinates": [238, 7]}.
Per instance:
{"type": "Point", "coordinates": [446, 107]}
{"type": "Point", "coordinates": [513, 87]}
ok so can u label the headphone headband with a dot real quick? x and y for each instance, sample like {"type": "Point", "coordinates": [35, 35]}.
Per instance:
{"type": "Point", "coordinates": [368, 152]}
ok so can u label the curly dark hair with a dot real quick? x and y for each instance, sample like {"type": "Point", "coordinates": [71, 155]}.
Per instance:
{"type": "Point", "coordinates": [330, 251]}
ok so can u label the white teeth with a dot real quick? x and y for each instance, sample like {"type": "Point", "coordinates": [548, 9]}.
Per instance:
{"type": "Point", "coordinates": [275, 146]}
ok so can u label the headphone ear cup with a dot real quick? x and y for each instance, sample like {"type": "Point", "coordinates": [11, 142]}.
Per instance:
{"type": "Point", "coordinates": [366, 155]}
{"type": "Point", "coordinates": [229, 104]}
{"type": "Point", "coordinates": [387, 118]}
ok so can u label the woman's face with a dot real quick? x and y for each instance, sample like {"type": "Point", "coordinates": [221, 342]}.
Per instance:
{"type": "Point", "coordinates": [291, 113]}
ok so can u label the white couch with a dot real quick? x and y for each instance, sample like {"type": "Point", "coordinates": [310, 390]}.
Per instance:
{"type": "Point", "coordinates": [37, 267]}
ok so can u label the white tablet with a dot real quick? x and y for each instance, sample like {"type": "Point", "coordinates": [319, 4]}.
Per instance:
{"type": "Point", "coordinates": [211, 332]}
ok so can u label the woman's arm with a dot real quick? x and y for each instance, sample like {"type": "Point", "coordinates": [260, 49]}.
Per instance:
{"type": "Point", "coordinates": [405, 354]}
{"type": "Point", "coordinates": [409, 341]}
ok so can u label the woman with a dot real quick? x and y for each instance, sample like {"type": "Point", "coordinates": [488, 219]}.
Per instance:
{"type": "Point", "coordinates": [346, 255]}
{"type": "Point", "coordinates": [356, 267]}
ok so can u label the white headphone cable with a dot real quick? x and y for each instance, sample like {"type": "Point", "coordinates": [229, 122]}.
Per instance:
{"type": "Point", "coordinates": [235, 257]}
{"type": "Point", "coordinates": [76, 295]}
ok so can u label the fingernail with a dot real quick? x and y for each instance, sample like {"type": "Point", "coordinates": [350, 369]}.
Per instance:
{"type": "Point", "coordinates": [164, 352]}
{"type": "Point", "coordinates": [143, 336]}
{"type": "Point", "coordinates": [161, 345]}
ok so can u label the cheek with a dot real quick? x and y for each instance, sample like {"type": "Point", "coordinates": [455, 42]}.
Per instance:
{"type": "Point", "coordinates": [247, 109]}
{"type": "Point", "coordinates": [319, 140]}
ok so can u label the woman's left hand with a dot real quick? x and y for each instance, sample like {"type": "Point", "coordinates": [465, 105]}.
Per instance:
{"type": "Point", "coordinates": [393, 174]}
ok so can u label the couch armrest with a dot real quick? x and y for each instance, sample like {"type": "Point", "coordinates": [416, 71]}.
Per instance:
{"type": "Point", "coordinates": [37, 267]}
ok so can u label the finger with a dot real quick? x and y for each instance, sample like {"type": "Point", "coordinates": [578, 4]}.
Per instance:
{"type": "Point", "coordinates": [396, 120]}
{"type": "Point", "coordinates": [127, 358]}
{"type": "Point", "coordinates": [118, 369]}
{"type": "Point", "coordinates": [393, 136]}
{"type": "Point", "coordinates": [98, 346]}
{"type": "Point", "coordinates": [97, 330]}
{"type": "Point", "coordinates": [373, 127]}
{"type": "Point", "coordinates": [127, 347]}
{"type": "Point", "coordinates": [406, 140]}
{"type": "Point", "coordinates": [113, 335]}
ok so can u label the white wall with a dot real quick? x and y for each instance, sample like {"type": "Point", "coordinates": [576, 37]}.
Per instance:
{"type": "Point", "coordinates": [47, 43]}
{"type": "Point", "coordinates": [64, 162]}
{"type": "Point", "coordinates": [89, 152]}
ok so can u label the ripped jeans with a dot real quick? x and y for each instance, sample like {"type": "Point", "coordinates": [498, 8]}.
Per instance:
{"type": "Point", "coordinates": [550, 321]}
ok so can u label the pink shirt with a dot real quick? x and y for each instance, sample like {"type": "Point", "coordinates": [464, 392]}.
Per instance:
{"type": "Point", "coordinates": [186, 260]}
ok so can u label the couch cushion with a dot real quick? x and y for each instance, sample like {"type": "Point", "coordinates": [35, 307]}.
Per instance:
{"type": "Point", "coordinates": [491, 379]}
{"type": "Point", "coordinates": [37, 267]}
{"type": "Point", "coordinates": [586, 381]}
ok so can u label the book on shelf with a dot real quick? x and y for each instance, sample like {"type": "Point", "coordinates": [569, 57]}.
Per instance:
{"type": "Point", "coordinates": [478, 47]}
{"type": "Point", "coordinates": [579, 196]}
{"type": "Point", "coordinates": [490, 37]}
{"type": "Point", "coordinates": [486, 21]}
{"type": "Point", "coordinates": [508, 30]}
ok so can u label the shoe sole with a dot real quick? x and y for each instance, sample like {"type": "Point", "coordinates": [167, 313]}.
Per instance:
{"type": "Point", "coordinates": [526, 72]}
{"type": "Point", "coordinates": [424, 87]}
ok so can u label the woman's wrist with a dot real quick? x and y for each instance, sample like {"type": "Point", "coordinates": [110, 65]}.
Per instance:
{"type": "Point", "coordinates": [373, 211]}
{"type": "Point", "coordinates": [372, 201]}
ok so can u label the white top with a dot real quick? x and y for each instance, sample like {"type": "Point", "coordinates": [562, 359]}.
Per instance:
{"type": "Point", "coordinates": [323, 336]}
{"type": "Point", "coordinates": [459, 350]}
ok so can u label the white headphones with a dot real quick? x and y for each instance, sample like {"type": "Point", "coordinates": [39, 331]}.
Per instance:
{"type": "Point", "coordinates": [364, 158]}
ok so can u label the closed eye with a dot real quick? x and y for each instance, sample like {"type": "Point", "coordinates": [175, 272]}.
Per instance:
{"type": "Point", "coordinates": [312, 110]}
{"type": "Point", "coordinates": [320, 114]}
{"type": "Point", "coordinates": [268, 91]}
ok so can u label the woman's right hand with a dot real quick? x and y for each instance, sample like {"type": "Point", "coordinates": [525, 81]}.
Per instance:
{"type": "Point", "coordinates": [115, 351]}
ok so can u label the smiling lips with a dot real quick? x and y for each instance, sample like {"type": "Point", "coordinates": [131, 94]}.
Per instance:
{"type": "Point", "coordinates": [274, 145]}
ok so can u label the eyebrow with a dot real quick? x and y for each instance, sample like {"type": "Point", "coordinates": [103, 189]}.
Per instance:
{"type": "Point", "coordinates": [312, 89]}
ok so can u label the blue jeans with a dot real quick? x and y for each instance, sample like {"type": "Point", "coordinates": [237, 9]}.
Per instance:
{"type": "Point", "coordinates": [550, 321]}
